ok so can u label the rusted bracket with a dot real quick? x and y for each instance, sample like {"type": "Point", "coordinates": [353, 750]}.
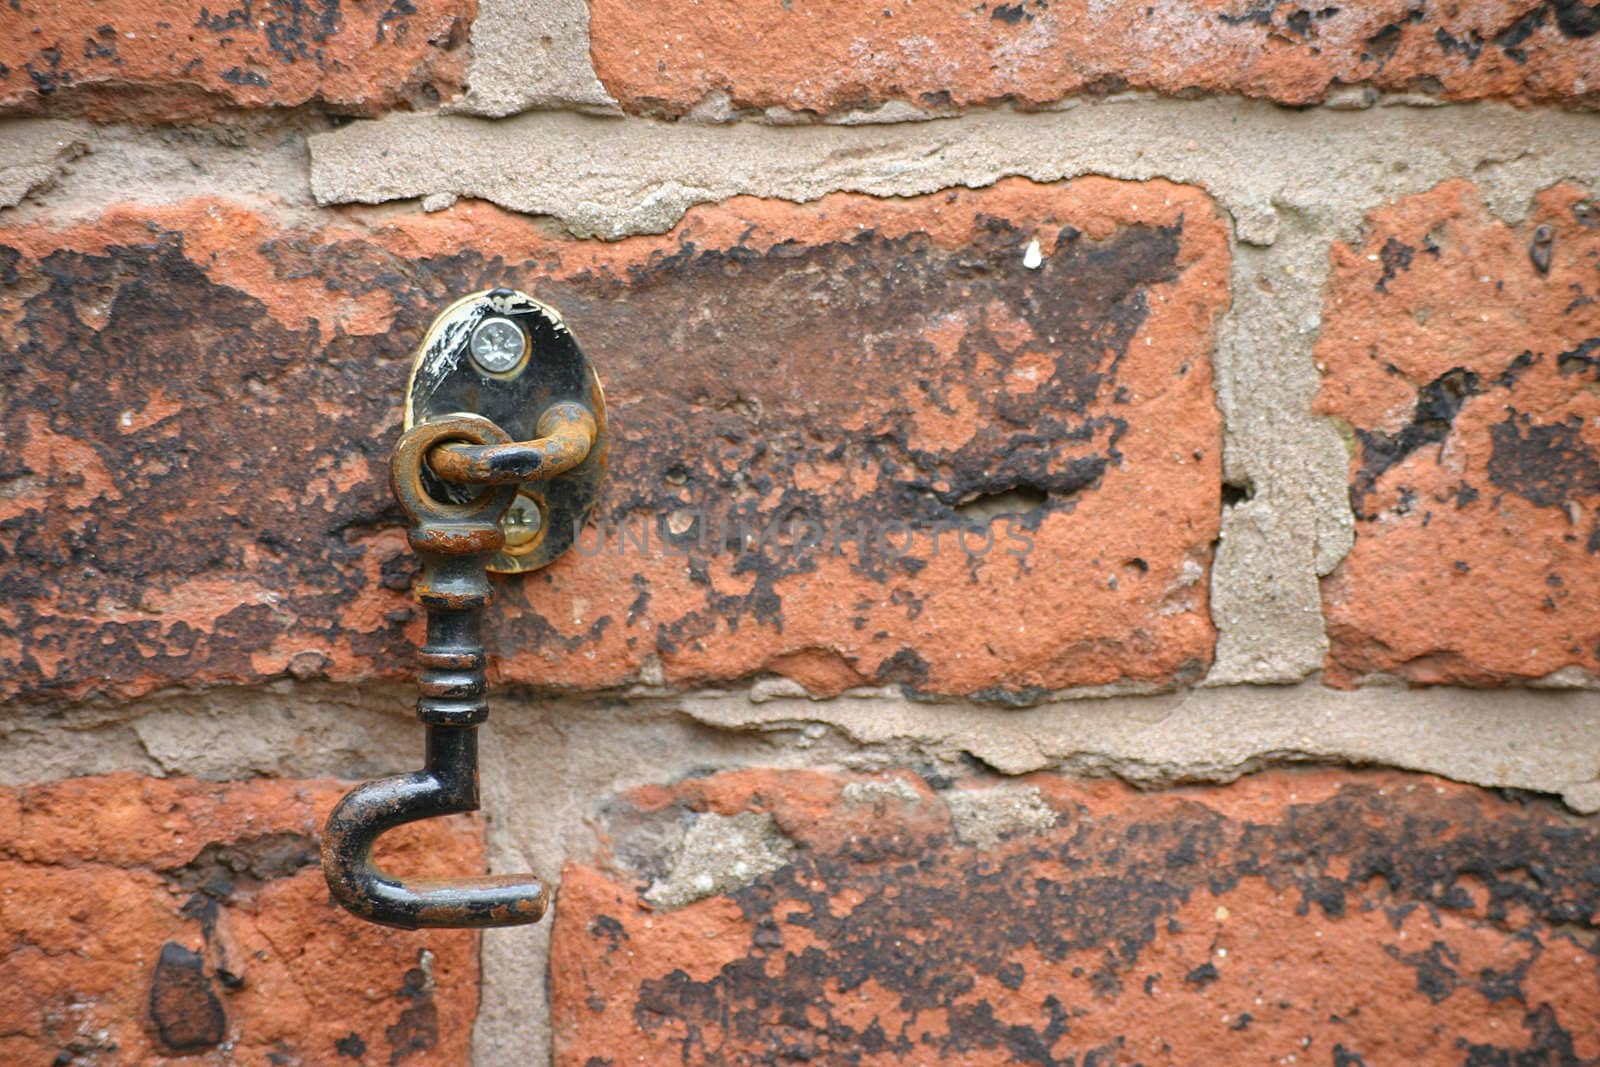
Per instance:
{"type": "Point", "coordinates": [548, 401]}
{"type": "Point", "coordinates": [469, 488]}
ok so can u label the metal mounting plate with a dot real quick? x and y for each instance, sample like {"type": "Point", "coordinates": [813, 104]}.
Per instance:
{"type": "Point", "coordinates": [448, 378]}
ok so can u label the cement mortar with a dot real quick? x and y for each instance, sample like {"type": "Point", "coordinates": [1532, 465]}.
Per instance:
{"type": "Point", "coordinates": [33, 154]}
{"type": "Point", "coordinates": [530, 54]}
{"type": "Point", "coordinates": [73, 171]}
{"type": "Point", "coordinates": [610, 177]}
{"type": "Point", "coordinates": [718, 854]}
{"type": "Point", "coordinates": [564, 752]}
{"type": "Point", "coordinates": [985, 817]}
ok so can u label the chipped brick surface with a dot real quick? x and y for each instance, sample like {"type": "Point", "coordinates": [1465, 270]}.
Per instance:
{"type": "Point", "coordinates": [173, 921]}
{"type": "Point", "coordinates": [202, 406]}
{"type": "Point", "coordinates": [172, 60]}
{"type": "Point", "coordinates": [1322, 917]}
{"type": "Point", "coordinates": [1461, 354]}
{"type": "Point", "coordinates": [830, 55]}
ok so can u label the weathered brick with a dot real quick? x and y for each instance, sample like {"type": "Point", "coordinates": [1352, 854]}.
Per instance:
{"type": "Point", "coordinates": [821, 56]}
{"type": "Point", "coordinates": [144, 919]}
{"type": "Point", "coordinates": [172, 60]}
{"type": "Point", "coordinates": [1311, 917]}
{"type": "Point", "coordinates": [198, 379]}
{"type": "Point", "coordinates": [1461, 354]}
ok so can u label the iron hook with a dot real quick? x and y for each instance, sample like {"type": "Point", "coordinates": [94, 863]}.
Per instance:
{"type": "Point", "coordinates": [455, 543]}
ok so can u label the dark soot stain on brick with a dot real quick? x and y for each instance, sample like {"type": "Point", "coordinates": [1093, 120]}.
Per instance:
{"type": "Point", "coordinates": [208, 483]}
{"type": "Point", "coordinates": [915, 934]}
{"type": "Point", "coordinates": [1438, 403]}
{"type": "Point", "coordinates": [183, 1006]}
{"type": "Point", "coordinates": [191, 496]}
{"type": "Point", "coordinates": [741, 439]}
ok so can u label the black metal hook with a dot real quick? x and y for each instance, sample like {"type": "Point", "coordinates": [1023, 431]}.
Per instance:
{"type": "Point", "coordinates": [529, 461]}
{"type": "Point", "coordinates": [448, 784]}
{"type": "Point", "coordinates": [455, 543]}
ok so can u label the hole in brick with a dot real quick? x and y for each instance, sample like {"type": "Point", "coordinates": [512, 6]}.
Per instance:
{"type": "Point", "coordinates": [221, 868]}
{"type": "Point", "coordinates": [1018, 500]}
{"type": "Point", "coordinates": [1236, 493]}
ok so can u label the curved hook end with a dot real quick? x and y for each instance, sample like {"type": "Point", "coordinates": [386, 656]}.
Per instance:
{"type": "Point", "coordinates": [362, 888]}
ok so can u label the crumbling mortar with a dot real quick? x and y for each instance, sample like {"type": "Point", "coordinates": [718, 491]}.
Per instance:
{"type": "Point", "coordinates": [715, 107]}
{"type": "Point", "coordinates": [1210, 734]}
{"type": "Point", "coordinates": [70, 171]}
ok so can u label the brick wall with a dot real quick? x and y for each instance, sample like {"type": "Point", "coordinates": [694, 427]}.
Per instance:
{"type": "Point", "coordinates": [1195, 663]}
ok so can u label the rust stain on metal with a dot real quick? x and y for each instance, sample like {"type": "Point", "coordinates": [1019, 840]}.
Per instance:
{"type": "Point", "coordinates": [542, 391]}
{"type": "Point", "coordinates": [566, 434]}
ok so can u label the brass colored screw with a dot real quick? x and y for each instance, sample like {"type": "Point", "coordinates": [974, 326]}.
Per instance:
{"type": "Point", "coordinates": [522, 522]}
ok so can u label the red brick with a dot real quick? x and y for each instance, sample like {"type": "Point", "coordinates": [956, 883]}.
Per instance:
{"type": "Point", "coordinates": [199, 379]}
{"type": "Point", "coordinates": [173, 60]}
{"type": "Point", "coordinates": [829, 55]}
{"type": "Point", "coordinates": [1461, 353]}
{"type": "Point", "coordinates": [1311, 917]}
{"type": "Point", "coordinates": [146, 920]}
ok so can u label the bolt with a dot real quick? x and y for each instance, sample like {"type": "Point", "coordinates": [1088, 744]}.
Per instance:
{"type": "Point", "coordinates": [522, 522]}
{"type": "Point", "coordinates": [498, 345]}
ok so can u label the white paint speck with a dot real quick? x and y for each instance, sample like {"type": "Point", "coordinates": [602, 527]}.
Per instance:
{"type": "Point", "coordinates": [1032, 257]}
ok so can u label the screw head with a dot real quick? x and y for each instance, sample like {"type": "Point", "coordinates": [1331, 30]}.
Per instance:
{"type": "Point", "coordinates": [522, 523]}
{"type": "Point", "coordinates": [498, 345]}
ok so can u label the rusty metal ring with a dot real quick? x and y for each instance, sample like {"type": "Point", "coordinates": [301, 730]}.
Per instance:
{"type": "Point", "coordinates": [410, 453]}
{"type": "Point", "coordinates": [566, 435]}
